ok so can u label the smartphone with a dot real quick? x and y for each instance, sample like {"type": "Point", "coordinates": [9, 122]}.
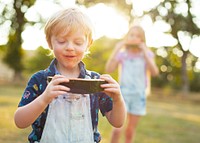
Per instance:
{"type": "Point", "coordinates": [83, 86]}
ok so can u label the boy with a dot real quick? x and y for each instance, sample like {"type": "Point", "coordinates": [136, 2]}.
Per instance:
{"type": "Point", "coordinates": [56, 114]}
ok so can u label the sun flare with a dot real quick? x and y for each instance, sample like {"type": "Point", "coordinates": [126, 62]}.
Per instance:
{"type": "Point", "coordinates": [107, 22]}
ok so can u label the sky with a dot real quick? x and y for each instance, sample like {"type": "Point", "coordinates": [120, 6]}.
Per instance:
{"type": "Point", "coordinates": [108, 22]}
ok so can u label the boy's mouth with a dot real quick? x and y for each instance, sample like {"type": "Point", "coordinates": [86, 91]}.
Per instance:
{"type": "Point", "coordinates": [69, 56]}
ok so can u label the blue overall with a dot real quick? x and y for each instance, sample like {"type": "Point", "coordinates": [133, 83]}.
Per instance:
{"type": "Point", "coordinates": [133, 81]}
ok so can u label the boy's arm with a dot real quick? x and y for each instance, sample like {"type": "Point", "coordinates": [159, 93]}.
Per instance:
{"type": "Point", "coordinates": [117, 115]}
{"type": "Point", "coordinates": [27, 114]}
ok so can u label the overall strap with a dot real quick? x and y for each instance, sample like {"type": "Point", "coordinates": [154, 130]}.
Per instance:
{"type": "Point", "coordinates": [91, 75]}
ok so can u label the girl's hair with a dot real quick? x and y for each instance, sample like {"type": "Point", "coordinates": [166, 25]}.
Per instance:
{"type": "Point", "coordinates": [140, 30]}
{"type": "Point", "coordinates": [66, 22]}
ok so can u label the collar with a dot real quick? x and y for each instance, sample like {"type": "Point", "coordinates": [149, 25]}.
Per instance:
{"type": "Point", "coordinates": [51, 70]}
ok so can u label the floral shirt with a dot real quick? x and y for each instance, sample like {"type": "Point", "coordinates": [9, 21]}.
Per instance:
{"type": "Point", "coordinates": [36, 87]}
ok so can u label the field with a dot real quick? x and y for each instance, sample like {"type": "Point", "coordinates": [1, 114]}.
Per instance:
{"type": "Point", "coordinates": [170, 119]}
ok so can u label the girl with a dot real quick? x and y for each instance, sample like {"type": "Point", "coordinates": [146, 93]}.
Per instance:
{"type": "Point", "coordinates": [56, 114]}
{"type": "Point", "coordinates": [135, 60]}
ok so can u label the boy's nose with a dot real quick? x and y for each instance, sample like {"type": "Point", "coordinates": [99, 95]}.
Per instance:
{"type": "Point", "coordinates": [69, 46]}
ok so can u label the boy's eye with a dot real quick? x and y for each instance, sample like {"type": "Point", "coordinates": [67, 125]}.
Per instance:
{"type": "Point", "coordinates": [60, 40]}
{"type": "Point", "coordinates": [79, 43]}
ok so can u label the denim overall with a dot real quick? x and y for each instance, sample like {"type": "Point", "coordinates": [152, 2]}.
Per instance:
{"type": "Point", "coordinates": [133, 83]}
{"type": "Point", "coordinates": [69, 120]}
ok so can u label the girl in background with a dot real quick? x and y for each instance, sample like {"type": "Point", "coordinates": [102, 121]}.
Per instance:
{"type": "Point", "coordinates": [136, 61]}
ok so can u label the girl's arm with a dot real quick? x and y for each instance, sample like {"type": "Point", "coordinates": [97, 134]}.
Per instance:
{"type": "Point", "coordinates": [117, 115]}
{"type": "Point", "coordinates": [151, 65]}
{"type": "Point", "coordinates": [112, 63]}
{"type": "Point", "coordinates": [26, 115]}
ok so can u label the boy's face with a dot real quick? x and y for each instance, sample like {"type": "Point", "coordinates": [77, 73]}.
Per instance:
{"type": "Point", "coordinates": [69, 49]}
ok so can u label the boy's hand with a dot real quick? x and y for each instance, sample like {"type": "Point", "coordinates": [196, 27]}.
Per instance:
{"type": "Point", "coordinates": [54, 88]}
{"type": "Point", "coordinates": [112, 88]}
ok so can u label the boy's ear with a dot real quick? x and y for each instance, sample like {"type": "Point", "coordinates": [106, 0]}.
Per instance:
{"type": "Point", "coordinates": [50, 46]}
{"type": "Point", "coordinates": [90, 43]}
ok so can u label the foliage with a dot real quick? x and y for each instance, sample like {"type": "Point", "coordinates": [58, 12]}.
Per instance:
{"type": "Point", "coordinates": [195, 84]}
{"type": "Point", "coordinates": [179, 23]}
{"type": "Point", "coordinates": [99, 54]}
{"type": "Point", "coordinates": [13, 13]}
{"type": "Point", "coordinates": [170, 69]}
{"type": "Point", "coordinates": [2, 50]}
{"type": "Point", "coordinates": [13, 56]}
{"type": "Point", "coordinates": [40, 60]}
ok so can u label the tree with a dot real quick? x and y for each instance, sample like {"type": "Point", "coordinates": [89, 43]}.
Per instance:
{"type": "Point", "coordinates": [39, 61]}
{"type": "Point", "coordinates": [96, 61]}
{"type": "Point", "coordinates": [14, 14]}
{"type": "Point", "coordinates": [122, 5]}
{"type": "Point", "coordinates": [180, 22]}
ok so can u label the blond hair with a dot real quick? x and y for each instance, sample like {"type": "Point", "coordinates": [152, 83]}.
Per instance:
{"type": "Point", "coordinates": [66, 22]}
{"type": "Point", "coordinates": [140, 30]}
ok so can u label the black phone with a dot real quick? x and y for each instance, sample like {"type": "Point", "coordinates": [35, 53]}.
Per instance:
{"type": "Point", "coordinates": [83, 86]}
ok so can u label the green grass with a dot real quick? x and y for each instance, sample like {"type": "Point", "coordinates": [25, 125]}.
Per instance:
{"type": "Point", "coordinates": [9, 98]}
{"type": "Point", "coordinates": [169, 120]}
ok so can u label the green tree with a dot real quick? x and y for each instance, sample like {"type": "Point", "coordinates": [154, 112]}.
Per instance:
{"type": "Point", "coordinates": [39, 61]}
{"type": "Point", "coordinates": [13, 13]}
{"type": "Point", "coordinates": [180, 21]}
{"type": "Point", "coordinates": [100, 52]}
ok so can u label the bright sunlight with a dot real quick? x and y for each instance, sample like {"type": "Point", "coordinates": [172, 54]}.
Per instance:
{"type": "Point", "coordinates": [107, 22]}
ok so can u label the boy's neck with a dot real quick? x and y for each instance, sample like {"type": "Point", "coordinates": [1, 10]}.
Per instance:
{"type": "Point", "coordinates": [69, 73]}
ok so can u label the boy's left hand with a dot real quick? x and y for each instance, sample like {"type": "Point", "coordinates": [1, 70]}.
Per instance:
{"type": "Point", "coordinates": [112, 88]}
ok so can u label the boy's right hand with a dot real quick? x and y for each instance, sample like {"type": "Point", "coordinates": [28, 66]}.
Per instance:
{"type": "Point", "coordinates": [54, 88]}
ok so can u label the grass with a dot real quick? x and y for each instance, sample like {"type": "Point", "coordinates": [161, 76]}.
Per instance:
{"type": "Point", "coordinates": [170, 119]}
{"type": "Point", "coordinates": [9, 98]}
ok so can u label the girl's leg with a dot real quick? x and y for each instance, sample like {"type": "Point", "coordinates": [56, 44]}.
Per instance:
{"type": "Point", "coordinates": [116, 133]}
{"type": "Point", "coordinates": [131, 127]}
